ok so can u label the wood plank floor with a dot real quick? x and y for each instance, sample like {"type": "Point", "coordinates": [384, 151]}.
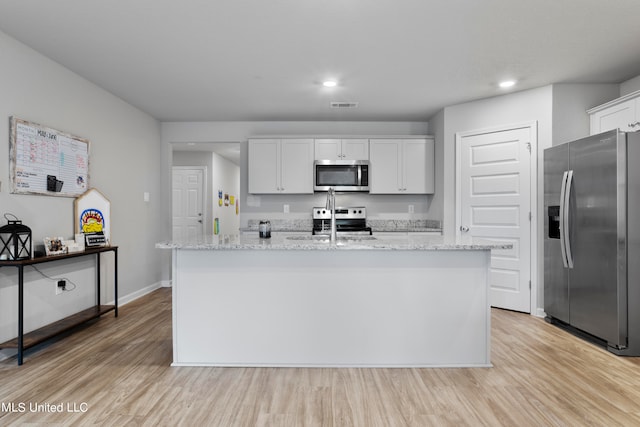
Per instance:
{"type": "Point", "coordinates": [116, 372]}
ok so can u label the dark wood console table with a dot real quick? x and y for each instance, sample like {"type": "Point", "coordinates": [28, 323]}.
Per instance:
{"type": "Point", "coordinates": [24, 341]}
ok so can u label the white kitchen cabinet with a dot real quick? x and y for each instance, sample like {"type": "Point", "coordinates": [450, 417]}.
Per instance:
{"type": "Point", "coordinates": [280, 166]}
{"type": "Point", "coordinates": [342, 149]}
{"type": "Point", "coordinates": [401, 166]}
{"type": "Point", "coordinates": [622, 113]}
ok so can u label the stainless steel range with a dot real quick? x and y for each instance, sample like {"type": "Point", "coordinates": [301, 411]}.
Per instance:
{"type": "Point", "coordinates": [349, 221]}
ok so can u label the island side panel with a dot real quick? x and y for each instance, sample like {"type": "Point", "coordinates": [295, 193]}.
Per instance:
{"type": "Point", "coordinates": [324, 308]}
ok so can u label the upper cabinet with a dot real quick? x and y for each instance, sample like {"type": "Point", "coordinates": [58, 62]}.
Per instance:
{"type": "Point", "coordinates": [622, 113]}
{"type": "Point", "coordinates": [401, 166]}
{"type": "Point", "coordinates": [280, 166]}
{"type": "Point", "coordinates": [342, 149]}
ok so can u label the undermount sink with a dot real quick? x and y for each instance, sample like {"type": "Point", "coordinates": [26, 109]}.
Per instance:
{"type": "Point", "coordinates": [325, 238]}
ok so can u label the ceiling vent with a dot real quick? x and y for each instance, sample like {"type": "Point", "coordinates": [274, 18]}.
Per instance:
{"type": "Point", "coordinates": [344, 104]}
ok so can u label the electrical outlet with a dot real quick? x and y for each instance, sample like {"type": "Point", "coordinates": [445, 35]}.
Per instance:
{"type": "Point", "coordinates": [410, 209]}
{"type": "Point", "coordinates": [60, 286]}
{"type": "Point", "coordinates": [286, 208]}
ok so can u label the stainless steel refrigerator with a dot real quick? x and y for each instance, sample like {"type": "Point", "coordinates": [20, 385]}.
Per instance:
{"type": "Point", "coordinates": [592, 238]}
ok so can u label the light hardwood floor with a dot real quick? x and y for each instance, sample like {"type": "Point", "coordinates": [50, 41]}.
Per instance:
{"type": "Point", "coordinates": [118, 372]}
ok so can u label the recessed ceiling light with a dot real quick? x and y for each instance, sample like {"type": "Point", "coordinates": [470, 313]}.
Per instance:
{"type": "Point", "coordinates": [329, 83]}
{"type": "Point", "coordinates": [506, 84]}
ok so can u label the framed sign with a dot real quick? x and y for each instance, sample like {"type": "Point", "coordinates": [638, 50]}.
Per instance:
{"type": "Point", "coordinates": [92, 214]}
{"type": "Point", "coordinates": [46, 161]}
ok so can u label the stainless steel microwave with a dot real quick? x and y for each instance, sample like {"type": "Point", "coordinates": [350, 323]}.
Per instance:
{"type": "Point", "coordinates": [341, 175]}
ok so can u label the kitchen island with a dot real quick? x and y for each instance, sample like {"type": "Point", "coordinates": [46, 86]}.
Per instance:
{"type": "Point", "coordinates": [299, 300]}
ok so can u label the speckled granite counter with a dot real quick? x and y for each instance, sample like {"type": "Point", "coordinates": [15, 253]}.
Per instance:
{"type": "Point", "coordinates": [306, 242]}
{"type": "Point", "coordinates": [377, 225]}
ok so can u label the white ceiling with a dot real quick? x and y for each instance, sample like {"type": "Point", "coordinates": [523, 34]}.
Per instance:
{"type": "Point", "coordinates": [401, 60]}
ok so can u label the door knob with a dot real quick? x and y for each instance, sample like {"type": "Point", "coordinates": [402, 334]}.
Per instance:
{"type": "Point", "coordinates": [464, 228]}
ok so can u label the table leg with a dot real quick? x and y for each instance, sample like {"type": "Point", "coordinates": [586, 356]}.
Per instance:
{"type": "Point", "coordinates": [98, 279]}
{"type": "Point", "coordinates": [115, 280]}
{"type": "Point", "coordinates": [20, 313]}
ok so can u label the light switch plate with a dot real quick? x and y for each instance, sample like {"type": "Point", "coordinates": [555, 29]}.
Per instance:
{"type": "Point", "coordinates": [286, 208]}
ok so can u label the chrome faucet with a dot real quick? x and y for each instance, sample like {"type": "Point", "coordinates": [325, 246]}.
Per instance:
{"type": "Point", "coordinates": [331, 206]}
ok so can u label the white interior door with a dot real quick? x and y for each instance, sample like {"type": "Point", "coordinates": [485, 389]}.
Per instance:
{"type": "Point", "coordinates": [494, 186]}
{"type": "Point", "coordinates": [187, 203]}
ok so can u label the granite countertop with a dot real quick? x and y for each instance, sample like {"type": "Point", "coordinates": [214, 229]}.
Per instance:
{"type": "Point", "coordinates": [307, 242]}
{"type": "Point", "coordinates": [377, 225]}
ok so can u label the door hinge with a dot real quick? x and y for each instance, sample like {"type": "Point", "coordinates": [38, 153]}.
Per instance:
{"type": "Point", "coordinates": [529, 284]}
{"type": "Point", "coordinates": [530, 216]}
{"type": "Point", "coordinates": [528, 146]}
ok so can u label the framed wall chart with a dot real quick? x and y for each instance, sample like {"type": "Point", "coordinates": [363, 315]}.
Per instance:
{"type": "Point", "coordinates": [46, 161]}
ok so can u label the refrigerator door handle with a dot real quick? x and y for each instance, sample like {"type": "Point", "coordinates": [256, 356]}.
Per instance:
{"type": "Point", "coordinates": [563, 224]}
{"type": "Point", "coordinates": [567, 239]}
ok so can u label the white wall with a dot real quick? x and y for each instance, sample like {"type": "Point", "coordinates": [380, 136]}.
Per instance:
{"type": "Point", "coordinates": [225, 176]}
{"type": "Point", "coordinates": [221, 174]}
{"type": "Point", "coordinates": [202, 159]}
{"type": "Point", "coordinates": [629, 86]}
{"type": "Point", "coordinates": [560, 113]}
{"type": "Point", "coordinates": [515, 108]}
{"type": "Point", "coordinates": [125, 163]}
{"type": "Point", "coordinates": [569, 106]}
{"type": "Point", "coordinates": [437, 128]}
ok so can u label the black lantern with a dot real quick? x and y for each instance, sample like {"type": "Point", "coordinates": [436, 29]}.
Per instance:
{"type": "Point", "coordinates": [15, 240]}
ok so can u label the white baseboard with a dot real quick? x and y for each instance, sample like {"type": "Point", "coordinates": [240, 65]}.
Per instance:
{"type": "Point", "coordinates": [540, 313]}
{"type": "Point", "coordinates": [7, 353]}
{"type": "Point", "coordinates": [141, 292]}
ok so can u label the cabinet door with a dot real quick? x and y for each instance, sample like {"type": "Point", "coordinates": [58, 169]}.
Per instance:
{"type": "Point", "coordinates": [327, 149]}
{"type": "Point", "coordinates": [264, 166]}
{"type": "Point", "coordinates": [635, 125]}
{"type": "Point", "coordinates": [622, 116]}
{"type": "Point", "coordinates": [297, 166]}
{"type": "Point", "coordinates": [355, 149]}
{"type": "Point", "coordinates": [418, 166]}
{"type": "Point", "coordinates": [385, 157]}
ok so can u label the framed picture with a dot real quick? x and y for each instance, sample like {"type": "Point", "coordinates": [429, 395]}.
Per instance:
{"type": "Point", "coordinates": [54, 246]}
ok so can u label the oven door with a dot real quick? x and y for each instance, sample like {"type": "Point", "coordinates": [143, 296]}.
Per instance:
{"type": "Point", "coordinates": [341, 175]}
